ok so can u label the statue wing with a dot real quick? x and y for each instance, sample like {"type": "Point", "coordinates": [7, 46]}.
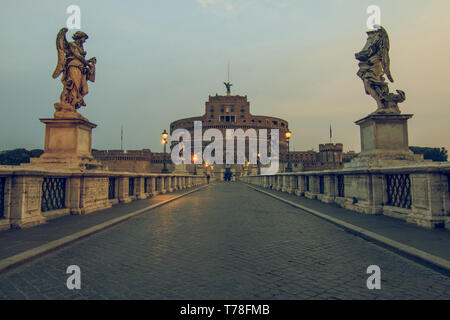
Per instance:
{"type": "Point", "coordinates": [62, 47]}
{"type": "Point", "coordinates": [385, 54]}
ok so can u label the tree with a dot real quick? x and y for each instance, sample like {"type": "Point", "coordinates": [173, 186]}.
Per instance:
{"type": "Point", "coordinates": [434, 154]}
{"type": "Point", "coordinates": [17, 156]}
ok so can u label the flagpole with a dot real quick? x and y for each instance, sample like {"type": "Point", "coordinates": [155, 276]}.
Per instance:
{"type": "Point", "coordinates": [121, 138]}
{"type": "Point", "coordinates": [331, 133]}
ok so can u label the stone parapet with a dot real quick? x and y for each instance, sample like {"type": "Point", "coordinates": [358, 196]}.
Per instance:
{"type": "Point", "coordinates": [417, 193]}
{"type": "Point", "coordinates": [31, 196]}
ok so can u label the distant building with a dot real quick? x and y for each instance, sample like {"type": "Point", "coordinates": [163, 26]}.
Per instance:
{"type": "Point", "coordinates": [347, 157]}
{"type": "Point", "coordinates": [330, 156]}
{"type": "Point", "coordinates": [132, 160]}
{"type": "Point", "coordinates": [222, 113]}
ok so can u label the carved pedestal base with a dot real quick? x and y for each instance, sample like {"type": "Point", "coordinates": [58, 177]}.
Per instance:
{"type": "Point", "coordinates": [68, 144]}
{"type": "Point", "coordinates": [384, 141]}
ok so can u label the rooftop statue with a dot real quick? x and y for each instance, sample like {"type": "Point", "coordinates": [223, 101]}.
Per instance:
{"type": "Point", "coordinates": [76, 72]}
{"type": "Point", "coordinates": [374, 64]}
{"type": "Point", "coordinates": [228, 86]}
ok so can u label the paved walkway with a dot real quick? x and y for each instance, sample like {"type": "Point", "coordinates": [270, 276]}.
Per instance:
{"type": "Point", "coordinates": [433, 241]}
{"type": "Point", "coordinates": [224, 242]}
{"type": "Point", "coordinates": [17, 241]}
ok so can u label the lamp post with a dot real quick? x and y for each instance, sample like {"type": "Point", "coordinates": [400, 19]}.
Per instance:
{"type": "Point", "coordinates": [288, 136]}
{"type": "Point", "coordinates": [164, 142]}
{"type": "Point", "coordinates": [194, 159]}
{"type": "Point", "coordinates": [259, 163]}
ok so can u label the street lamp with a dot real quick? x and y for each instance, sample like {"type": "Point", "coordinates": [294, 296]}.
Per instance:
{"type": "Point", "coordinates": [259, 163]}
{"type": "Point", "coordinates": [289, 167]}
{"type": "Point", "coordinates": [164, 142]}
{"type": "Point", "coordinates": [194, 159]}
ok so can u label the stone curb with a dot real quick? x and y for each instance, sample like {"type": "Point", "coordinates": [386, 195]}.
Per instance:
{"type": "Point", "coordinates": [422, 257]}
{"type": "Point", "coordinates": [19, 259]}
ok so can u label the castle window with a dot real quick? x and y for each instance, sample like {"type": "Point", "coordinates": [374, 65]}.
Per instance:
{"type": "Point", "coordinates": [233, 119]}
{"type": "Point", "coordinates": [275, 122]}
{"type": "Point", "coordinates": [222, 118]}
{"type": "Point", "coordinates": [242, 110]}
{"type": "Point", "coordinates": [259, 121]}
{"type": "Point", "coordinates": [282, 124]}
{"type": "Point", "coordinates": [227, 119]}
{"type": "Point", "coordinates": [242, 116]}
{"type": "Point", "coordinates": [211, 110]}
{"type": "Point", "coordinates": [211, 116]}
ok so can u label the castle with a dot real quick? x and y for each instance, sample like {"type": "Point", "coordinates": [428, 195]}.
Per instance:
{"type": "Point", "coordinates": [224, 112]}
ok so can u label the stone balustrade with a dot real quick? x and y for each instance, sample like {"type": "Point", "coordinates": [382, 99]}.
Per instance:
{"type": "Point", "coordinates": [418, 194]}
{"type": "Point", "coordinates": [29, 197]}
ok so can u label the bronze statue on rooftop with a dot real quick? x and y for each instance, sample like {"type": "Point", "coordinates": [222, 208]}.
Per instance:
{"type": "Point", "coordinates": [228, 86]}
{"type": "Point", "coordinates": [374, 64]}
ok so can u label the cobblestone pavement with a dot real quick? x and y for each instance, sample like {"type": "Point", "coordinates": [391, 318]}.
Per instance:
{"type": "Point", "coordinates": [224, 242]}
{"type": "Point", "coordinates": [17, 241]}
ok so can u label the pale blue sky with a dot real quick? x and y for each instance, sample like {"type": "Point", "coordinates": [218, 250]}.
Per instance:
{"type": "Point", "coordinates": [159, 60]}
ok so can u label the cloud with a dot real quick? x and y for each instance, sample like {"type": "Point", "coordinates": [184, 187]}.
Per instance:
{"type": "Point", "coordinates": [225, 3]}
{"type": "Point", "coordinates": [204, 3]}
{"type": "Point", "coordinates": [228, 6]}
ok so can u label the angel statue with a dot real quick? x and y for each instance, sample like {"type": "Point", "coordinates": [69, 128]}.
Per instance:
{"type": "Point", "coordinates": [228, 86]}
{"type": "Point", "coordinates": [76, 71]}
{"type": "Point", "coordinates": [374, 63]}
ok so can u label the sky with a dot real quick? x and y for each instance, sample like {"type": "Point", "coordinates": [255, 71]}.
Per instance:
{"type": "Point", "coordinates": [159, 60]}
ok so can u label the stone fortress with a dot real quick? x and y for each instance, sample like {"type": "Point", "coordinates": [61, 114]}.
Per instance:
{"type": "Point", "coordinates": [224, 112]}
{"type": "Point", "coordinates": [232, 112]}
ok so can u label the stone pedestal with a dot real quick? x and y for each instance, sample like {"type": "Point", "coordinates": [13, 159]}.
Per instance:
{"type": "Point", "coordinates": [68, 144]}
{"type": "Point", "coordinates": [384, 141]}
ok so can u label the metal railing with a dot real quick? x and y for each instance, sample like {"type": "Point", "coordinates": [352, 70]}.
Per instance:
{"type": "Point", "coordinates": [321, 185]}
{"type": "Point", "coordinates": [53, 194]}
{"type": "Point", "coordinates": [2, 197]}
{"type": "Point", "coordinates": [130, 186]}
{"type": "Point", "coordinates": [448, 184]}
{"type": "Point", "coordinates": [340, 186]}
{"type": "Point", "coordinates": [112, 188]}
{"type": "Point", "coordinates": [398, 188]}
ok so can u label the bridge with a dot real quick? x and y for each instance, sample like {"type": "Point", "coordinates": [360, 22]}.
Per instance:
{"type": "Point", "coordinates": [155, 236]}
